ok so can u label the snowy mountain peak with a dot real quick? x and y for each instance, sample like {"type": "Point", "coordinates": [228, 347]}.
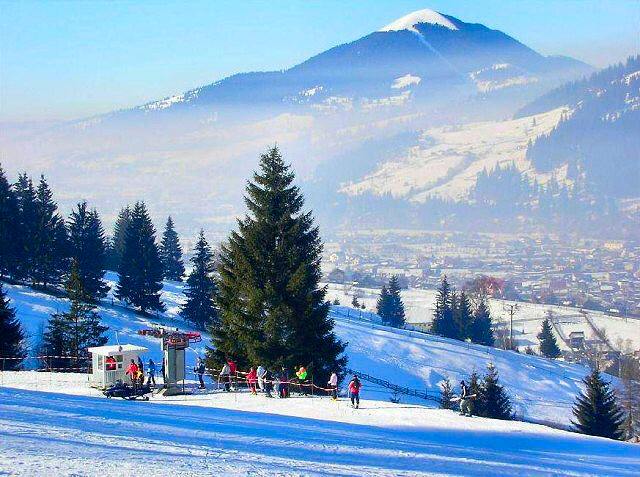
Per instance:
{"type": "Point", "coordinates": [408, 22]}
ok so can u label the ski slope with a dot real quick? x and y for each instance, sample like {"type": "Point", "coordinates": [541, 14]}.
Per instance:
{"type": "Point", "coordinates": [542, 390]}
{"type": "Point", "coordinates": [59, 433]}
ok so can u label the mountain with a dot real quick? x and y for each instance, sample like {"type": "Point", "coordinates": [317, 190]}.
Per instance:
{"type": "Point", "coordinates": [419, 58]}
{"type": "Point", "coordinates": [336, 117]}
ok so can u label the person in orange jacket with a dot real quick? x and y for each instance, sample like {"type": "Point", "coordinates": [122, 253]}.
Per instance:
{"type": "Point", "coordinates": [252, 379]}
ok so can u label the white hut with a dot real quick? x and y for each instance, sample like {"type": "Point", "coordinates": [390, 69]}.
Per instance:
{"type": "Point", "coordinates": [109, 363]}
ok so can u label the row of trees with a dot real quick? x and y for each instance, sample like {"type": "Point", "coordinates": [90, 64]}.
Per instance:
{"type": "Point", "coordinates": [455, 317]}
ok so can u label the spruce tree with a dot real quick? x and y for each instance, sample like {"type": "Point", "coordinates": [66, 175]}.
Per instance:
{"type": "Point", "coordinates": [201, 290]}
{"type": "Point", "coordinates": [494, 400]}
{"type": "Point", "coordinates": [70, 333]}
{"type": "Point", "coordinates": [88, 250]}
{"type": "Point", "coordinates": [382, 305]}
{"type": "Point", "coordinates": [446, 395]}
{"type": "Point", "coordinates": [481, 331]}
{"type": "Point", "coordinates": [140, 270]}
{"type": "Point", "coordinates": [354, 302]}
{"type": "Point", "coordinates": [463, 316]}
{"type": "Point", "coordinates": [118, 239]}
{"type": "Point", "coordinates": [50, 259]}
{"type": "Point", "coordinates": [9, 227]}
{"type": "Point", "coordinates": [548, 344]}
{"type": "Point", "coordinates": [273, 311]}
{"type": "Point", "coordinates": [171, 253]}
{"type": "Point", "coordinates": [396, 317]}
{"type": "Point", "coordinates": [11, 336]}
{"type": "Point", "coordinates": [475, 387]}
{"type": "Point", "coordinates": [443, 324]}
{"type": "Point", "coordinates": [26, 227]}
{"type": "Point", "coordinates": [596, 410]}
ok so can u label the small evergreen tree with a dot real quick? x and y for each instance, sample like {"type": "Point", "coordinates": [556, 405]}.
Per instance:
{"type": "Point", "coordinates": [140, 268]}
{"type": "Point", "coordinates": [443, 324]}
{"type": "Point", "coordinates": [11, 336]}
{"type": "Point", "coordinates": [272, 308]}
{"type": "Point", "coordinates": [548, 344]}
{"type": "Point", "coordinates": [69, 334]}
{"type": "Point", "coordinates": [50, 259]}
{"type": "Point", "coordinates": [475, 387]}
{"type": "Point", "coordinates": [495, 402]}
{"type": "Point", "coordinates": [596, 410]}
{"type": "Point", "coordinates": [9, 227]}
{"type": "Point", "coordinates": [201, 290]}
{"type": "Point", "coordinates": [171, 253]}
{"type": "Point", "coordinates": [446, 395]}
{"type": "Point", "coordinates": [336, 302]}
{"type": "Point", "coordinates": [88, 250]}
{"type": "Point", "coordinates": [354, 302]}
{"type": "Point", "coordinates": [481, 331]}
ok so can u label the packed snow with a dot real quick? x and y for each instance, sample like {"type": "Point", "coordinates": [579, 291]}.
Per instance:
{"type": "Point", "coordinates": [409, 22]}
{"type": "Point", "coordinates": [47, 415]}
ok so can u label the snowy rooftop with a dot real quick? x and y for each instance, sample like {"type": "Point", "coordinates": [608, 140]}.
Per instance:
{"type": "Point", "coordinates": [112, 349]}
{"type": "Point", "coordinates": [408, 22]}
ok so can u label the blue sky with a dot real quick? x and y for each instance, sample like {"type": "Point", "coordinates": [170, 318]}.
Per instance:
{"type": "Point", "coordinates": [61, 60]}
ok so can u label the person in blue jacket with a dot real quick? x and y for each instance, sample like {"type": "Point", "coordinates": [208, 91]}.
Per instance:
{"type": "Point", "coordinates": [151, 373]}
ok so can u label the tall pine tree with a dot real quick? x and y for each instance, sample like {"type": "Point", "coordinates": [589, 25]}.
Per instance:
{"type": "Point", "coordinates": [50, 259]}
{"type": "Point", "coordinates": [463, 316]}
{"type": "Point", "coordinates": [140, 269]}
{"type": "Point", "coordinates": [382, 305]}
{"type": "Point", "coordinates": [481, 331]}
{"type": "Point", "coordinates": [390, 306]}
{"type": "Point", "coordinates": [116, 244]}
{"type": "Point", "coordinates": [548, 344]}
{"type": "Point", "coordinates": [171, 253]}
{"type": "Point", "coordinates": [443, 323]}
{"type": "Point", "coordinates": [88, 250]}
{"type": "Point", "coordinates": [201, 290]}
{"type": "Point", "coordinates": [26, 227]}
{"type": "Point", "coordinates": [596, 410]}
{"type": "Point", "coordinates": [9, 227]}
{"type": "Point", "coordinates": [11, 336]}
{"type": "Point", "coordinates": [273, 311]}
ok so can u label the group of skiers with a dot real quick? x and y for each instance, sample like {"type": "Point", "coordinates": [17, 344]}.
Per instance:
{"type": "Point", "coordinates": [136, 372]}
{"type": "Point", "coordinates": [259, 379]}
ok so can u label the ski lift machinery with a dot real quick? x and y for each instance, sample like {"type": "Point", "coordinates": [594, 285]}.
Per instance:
{"type": "Point", "coordinates": [174, 344]}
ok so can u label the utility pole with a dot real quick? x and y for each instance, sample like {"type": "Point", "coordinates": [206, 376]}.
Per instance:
{"type": "Point", "coordinates": [511, 309]}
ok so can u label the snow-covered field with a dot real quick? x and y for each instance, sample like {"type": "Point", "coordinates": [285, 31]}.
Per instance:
{"type": "Point", "coordinates": [447, 160]}
{"type": "Point", "coordinates": [71, 431]}
{"type": "Point", "coordinates": [419, 306]}
{"type": "Point", "coordinates": [46, 415]}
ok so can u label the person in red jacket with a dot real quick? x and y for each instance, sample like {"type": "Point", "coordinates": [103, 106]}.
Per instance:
{"type": "Point", "coordinates": [354, 391]}
{"type": "Point", "coordinates": [132, 371]}
{"type": "Point", "coordinates": [233, 374]}
{"type": "Point", "coordinates": [252, 379]}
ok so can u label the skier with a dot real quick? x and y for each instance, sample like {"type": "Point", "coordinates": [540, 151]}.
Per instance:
{"type": "Point", "coordinates": [252, 378]}
{"type": "Point", "coordinates": [354, 391]}
{"type": "Point", "coordinates": [199, 370]}
{"type": "Point", "coordinates": [233, 373]}
{"type": "Point", "coordinates": [132, 372]}
{"type": "Point", "coordinates": [225, 377]}
{"type": "Point", "coordinates": [466, 406]}
{"type": "Point", "coordinates": [333, 384]}
{"type": "Point", "coordinates": [283, 383]}
{"type": "Point", "coordinates": [268, 384]}
{"type": "Point", "coordinates": [301, 374]}
{"type": "Point", "coordinates": [151, 373]}
{"type": "Point", "coordinates": [262, 373]}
